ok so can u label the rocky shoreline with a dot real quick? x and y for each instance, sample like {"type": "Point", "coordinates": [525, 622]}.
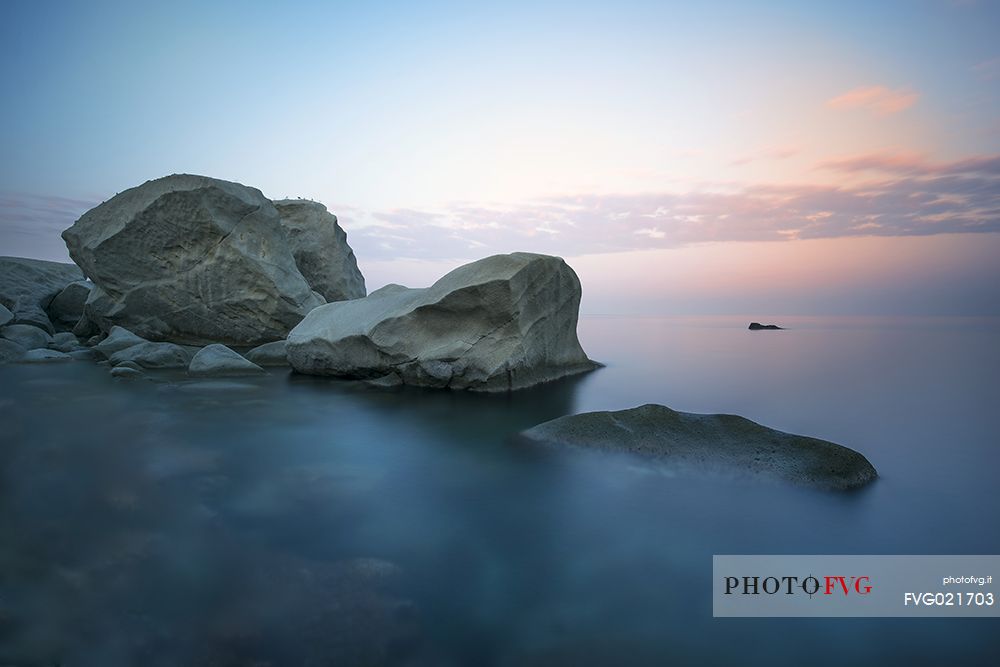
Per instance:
{"type": "Point", "coordinates": [179, 271]}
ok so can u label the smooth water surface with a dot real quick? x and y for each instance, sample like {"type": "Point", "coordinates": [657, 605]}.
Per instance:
{"type": "Point", "coordinates": [174, 522]}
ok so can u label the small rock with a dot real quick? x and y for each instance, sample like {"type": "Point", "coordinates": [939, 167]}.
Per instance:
{"type": "Point", "coordinates": [26, 335]}
{"type": "Point", "coordinates": [66, 308]}
{"type": "Point", "coordinates": [757, 326]}
{"type": "Point", "coordinates": [94, 340]}
{"type": "Point", "coordinates": [126, 373]}
{"type": "Point", "coordinates": [129, 364]}
{"type": "Point", "coordinates": [152, 355]}
{"type": "Point", "coordinates": [119, 338]}
{"type": "Point", "coordinates": [5, 315]}
{"type": "Point", "coordinates": [218, 360]}
{"type": "Point", "coordinates": [269, 354]}
{"type": "Point", "coordinates": [64, 342]}
{"type": "Point", "coordinates": [41, 356]}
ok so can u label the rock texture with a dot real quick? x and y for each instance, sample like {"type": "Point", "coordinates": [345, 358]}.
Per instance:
{"type": "Point", "coordinates": [66, 307]}
{"type": "Point", "coordinates": [26, 335]}
{"type": "Point", "coordinates": [269, 354]}
{"type": "Point", "coordinates": [501, 323]}
{"type": "Point", "coordinates": [218, 360]}
{"type": "Point", "coordinates": [191, 259]}
{"type": "Point", "coordinates": [699, 445]}
{"type": "Point", "coordinates": [27, 286]}
{"type": "Point", "coordinates": [119, 338]}
{"type": "Point", "coordinates": [153, 355]}
{"type": "Point", "coordinates": [64, 342]}
{"type": "Point", "coordinates": [320, 248]}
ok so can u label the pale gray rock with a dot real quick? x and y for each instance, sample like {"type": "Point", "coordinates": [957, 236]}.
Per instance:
{"type": "Point", "coordinates": [269, 354]}
{"type": "Point", "coordinates": [41, 356]}
{"type": "Point", "coordinates": [6, 317]}
{"type": "Point", "coordinates": [709, 445]}
{"type": "Point", "coordinates": [127, 373]}
{"type": "Point", "coordinates": [27, 336]}
{"type": "Point", "coordinates": [66, 307]}
{"type": "Point", "coordinates": [153, 355]}
{"type": "Point", "coordinates": [10, 351]}
{"type": "Point", "coordinates": [501, 323]}
{"type": "Point", "coordinates": [64, 341]}
{"type": "Point", "coordinates": [190, 259]}
{"type": "Point", "coordinates": [320, 248]}
{"type": "Point", "coordinates": [129, 364]}
{"type": "Point", "coordinates": [218, 360]}
{"type": "Point", "coordinates": [27, 286]}
{"type": "Point", "coordinates": [119, 338]}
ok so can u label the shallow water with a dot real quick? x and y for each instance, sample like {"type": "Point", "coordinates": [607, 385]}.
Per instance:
{"type": "Point", "coordinates": [177, 522]}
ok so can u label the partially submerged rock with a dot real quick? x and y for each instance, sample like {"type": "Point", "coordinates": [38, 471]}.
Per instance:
{"type": "Point", "coordinates": [127, 373]}
{"type": "Point", "coordinates": [26, 335]}
{"type": "Point", "coordinates": [27, 286]}
{"type": "Point", "coordinates": [153, 355]}
{"type": "Point", "coordinates": [269, 354]}
{"type": "Point", "coordinates": [119, 338]}
{"type": "Point", "coordinates": [757, 326]}
{"type": "Point", "coordinates": [42, 355]}
{"type": "Point", "coordinates": [501, 323]}
{"type": "Point", "coordinates": [191, 259]}
{"type": "Point", "coordinates": [699, 445]}
{"type": "Point", "coordinates": [218, 360]}
{"type": "Point", "coordinates": [320, 248]}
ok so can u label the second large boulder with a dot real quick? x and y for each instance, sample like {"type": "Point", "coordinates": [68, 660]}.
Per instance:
{"type": "Point", "coordinates": [501, 323]}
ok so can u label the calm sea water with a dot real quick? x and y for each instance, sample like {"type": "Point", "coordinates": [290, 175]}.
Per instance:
{"type": "Point", "coordinates": [216, 523]}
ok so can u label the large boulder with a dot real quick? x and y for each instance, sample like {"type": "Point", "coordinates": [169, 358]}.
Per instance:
{"type": "Point", "coordinates": [27, 286]}
{"type": "Point", "coordinates": [66, 307]}
{"type": "Point", "coordinates": [191, 259]}
{"type": "Point", "coordinates": [501, 323]}
{"type": "Point", "coordinates": [320, 248]}
{"type": "Point", "coordinates": [709, 445]}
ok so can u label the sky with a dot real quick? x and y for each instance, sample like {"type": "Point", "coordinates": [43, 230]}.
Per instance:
{"type": "Point", "coordinates": [685, 157]}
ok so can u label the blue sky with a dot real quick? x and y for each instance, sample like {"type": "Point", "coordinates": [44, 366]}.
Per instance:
{"type": "Point", "coordinates": [441, 132]}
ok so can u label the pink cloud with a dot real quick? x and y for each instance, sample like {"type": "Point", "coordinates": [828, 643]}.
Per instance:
{"type": "Point", "coordinates": [913, 164]}
{"type": "Point", "coordinates": [880, 100]}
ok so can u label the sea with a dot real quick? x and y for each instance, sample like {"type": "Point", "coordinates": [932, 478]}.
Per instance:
{"type": "Point", "coordinates": [295, 520]}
